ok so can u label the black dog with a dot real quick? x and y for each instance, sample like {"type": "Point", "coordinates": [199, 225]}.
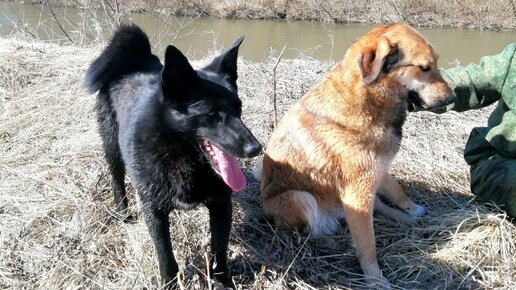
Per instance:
{"type": "Point", "coordinates": [174, 130]}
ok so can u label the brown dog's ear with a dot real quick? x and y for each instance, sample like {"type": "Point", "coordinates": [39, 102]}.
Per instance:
{"type": "Point", "coordinates": [373, 58]}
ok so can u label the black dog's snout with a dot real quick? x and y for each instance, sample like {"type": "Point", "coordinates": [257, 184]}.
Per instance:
{"type": "Point", "coordinates": [252, 149]}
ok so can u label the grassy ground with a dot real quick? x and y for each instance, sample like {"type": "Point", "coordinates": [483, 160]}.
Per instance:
{"type": "Point", "coordinates": [494, 14]}
{"type": "Point", "coordinates": [57, 228]}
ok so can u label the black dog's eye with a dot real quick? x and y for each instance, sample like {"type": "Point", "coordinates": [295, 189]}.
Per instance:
{"type": "Point", "coordinates": [425, 68]}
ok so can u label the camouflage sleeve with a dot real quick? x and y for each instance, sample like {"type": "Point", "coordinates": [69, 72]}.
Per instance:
{"type": "Point", "coordinates": [478, 86]}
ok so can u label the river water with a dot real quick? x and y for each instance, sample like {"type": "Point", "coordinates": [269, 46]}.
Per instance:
{"type": "Point", "coordinates": [262, 37]}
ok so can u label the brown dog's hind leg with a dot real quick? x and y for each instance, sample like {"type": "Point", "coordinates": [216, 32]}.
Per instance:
{"type": "Point", "coordinates": [291, 210]}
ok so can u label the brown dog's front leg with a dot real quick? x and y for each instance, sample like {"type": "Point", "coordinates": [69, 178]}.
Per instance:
{"type": "Point", "coordinates": [358, 208]}
{"type": "Point", "coordinates": [391, 189]}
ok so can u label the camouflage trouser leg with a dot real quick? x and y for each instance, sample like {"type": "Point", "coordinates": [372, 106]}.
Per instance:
{"type": "Point", "coordinates": [493, 176]}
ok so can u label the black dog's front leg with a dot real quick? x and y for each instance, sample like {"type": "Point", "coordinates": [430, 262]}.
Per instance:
{"type": "Point", "coordinates": [159, 229]}
{"type": "Point", "coordinates": [220, 209]}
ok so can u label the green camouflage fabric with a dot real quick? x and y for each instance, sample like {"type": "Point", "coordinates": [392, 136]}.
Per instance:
{"type": "Point", "coordinates": [490, 151]}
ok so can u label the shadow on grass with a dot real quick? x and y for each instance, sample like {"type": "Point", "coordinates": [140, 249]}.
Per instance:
{"type": "Point", "coordinates": [408, 255]}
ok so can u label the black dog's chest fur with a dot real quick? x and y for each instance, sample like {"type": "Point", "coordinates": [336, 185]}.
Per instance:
{"type": "Point", "coordinates": [173, 177]}
{"type": "Point", "coordinates": [167, 169]}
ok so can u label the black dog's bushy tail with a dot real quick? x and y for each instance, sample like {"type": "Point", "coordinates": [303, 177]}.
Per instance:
{"type": "Point", "coordinates": [126, 53]}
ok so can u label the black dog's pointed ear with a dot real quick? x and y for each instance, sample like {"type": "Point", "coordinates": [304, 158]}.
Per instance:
{"type": "Point", "coordinates": [177, 75]}
{"type": "Point", "coordinates": [226, 63]}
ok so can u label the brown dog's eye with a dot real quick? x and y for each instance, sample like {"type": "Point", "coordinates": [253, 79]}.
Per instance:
{"type": "Point", "coordinates": [425, 68]}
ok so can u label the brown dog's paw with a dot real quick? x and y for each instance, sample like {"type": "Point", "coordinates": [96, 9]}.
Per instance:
{"type": "Point", "coordinates": [418, 211]}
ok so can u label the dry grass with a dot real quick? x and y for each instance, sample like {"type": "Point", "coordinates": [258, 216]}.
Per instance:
{"type": "Point", "coordinates": [56, 212]}
{"type": "Point", "coordinates": [493, 15]}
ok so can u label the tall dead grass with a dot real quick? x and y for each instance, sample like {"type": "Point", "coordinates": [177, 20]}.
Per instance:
{"type": "Point", "coordinates": [492, 15]}
{"type": "Point", "coordinates": [57, 228]}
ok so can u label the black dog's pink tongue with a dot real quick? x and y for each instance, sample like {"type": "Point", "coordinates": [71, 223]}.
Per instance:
{"type": "Point", "coordinates": [229, 169]}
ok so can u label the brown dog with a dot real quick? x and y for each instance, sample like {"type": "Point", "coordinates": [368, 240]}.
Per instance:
{"type": "Point", "coordinates": [331, 152]}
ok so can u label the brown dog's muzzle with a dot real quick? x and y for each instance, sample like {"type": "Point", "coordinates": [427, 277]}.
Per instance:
{"type": "Point", "coordinates": [431, 95]}
{"type": "Point", "coordinates": [447, 101]}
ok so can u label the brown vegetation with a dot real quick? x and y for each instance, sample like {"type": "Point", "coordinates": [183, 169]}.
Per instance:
{"type": "Point", "coordinates": [57, 225]}
{"type": "Point", "coordinates": [493, 15]}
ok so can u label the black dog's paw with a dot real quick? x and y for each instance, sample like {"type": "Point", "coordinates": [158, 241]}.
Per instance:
{"type": "Point", "coordinates": [225, 281]}
{"type": "Point", "coordinates": [131, 219]}
{"type": "Point", "coordinates": [175, 283]}
{"type": "Point", "coordinates": [125, 218]}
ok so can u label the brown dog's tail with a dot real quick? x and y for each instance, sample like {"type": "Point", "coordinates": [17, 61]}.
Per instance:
{"type": "Point", "coordinates": [299, 210]}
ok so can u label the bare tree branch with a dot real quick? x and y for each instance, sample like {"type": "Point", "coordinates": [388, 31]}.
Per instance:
{"type": "Point", "coordinates": [395, 6]}
{"type": "Point", "coordinates": [57, 21]}
{"type": "Point", "coordinates": [274, 86]}
{"type": "Point", "coordinates": [513, 8]}
{"type": "Point", "coordinates": [21, 23]}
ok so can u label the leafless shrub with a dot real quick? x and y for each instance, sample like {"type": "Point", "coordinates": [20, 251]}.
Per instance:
{"type": "Point", "coordinates": [93, 24]}
{"type": "Point", "coordinates": [492, 15]}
